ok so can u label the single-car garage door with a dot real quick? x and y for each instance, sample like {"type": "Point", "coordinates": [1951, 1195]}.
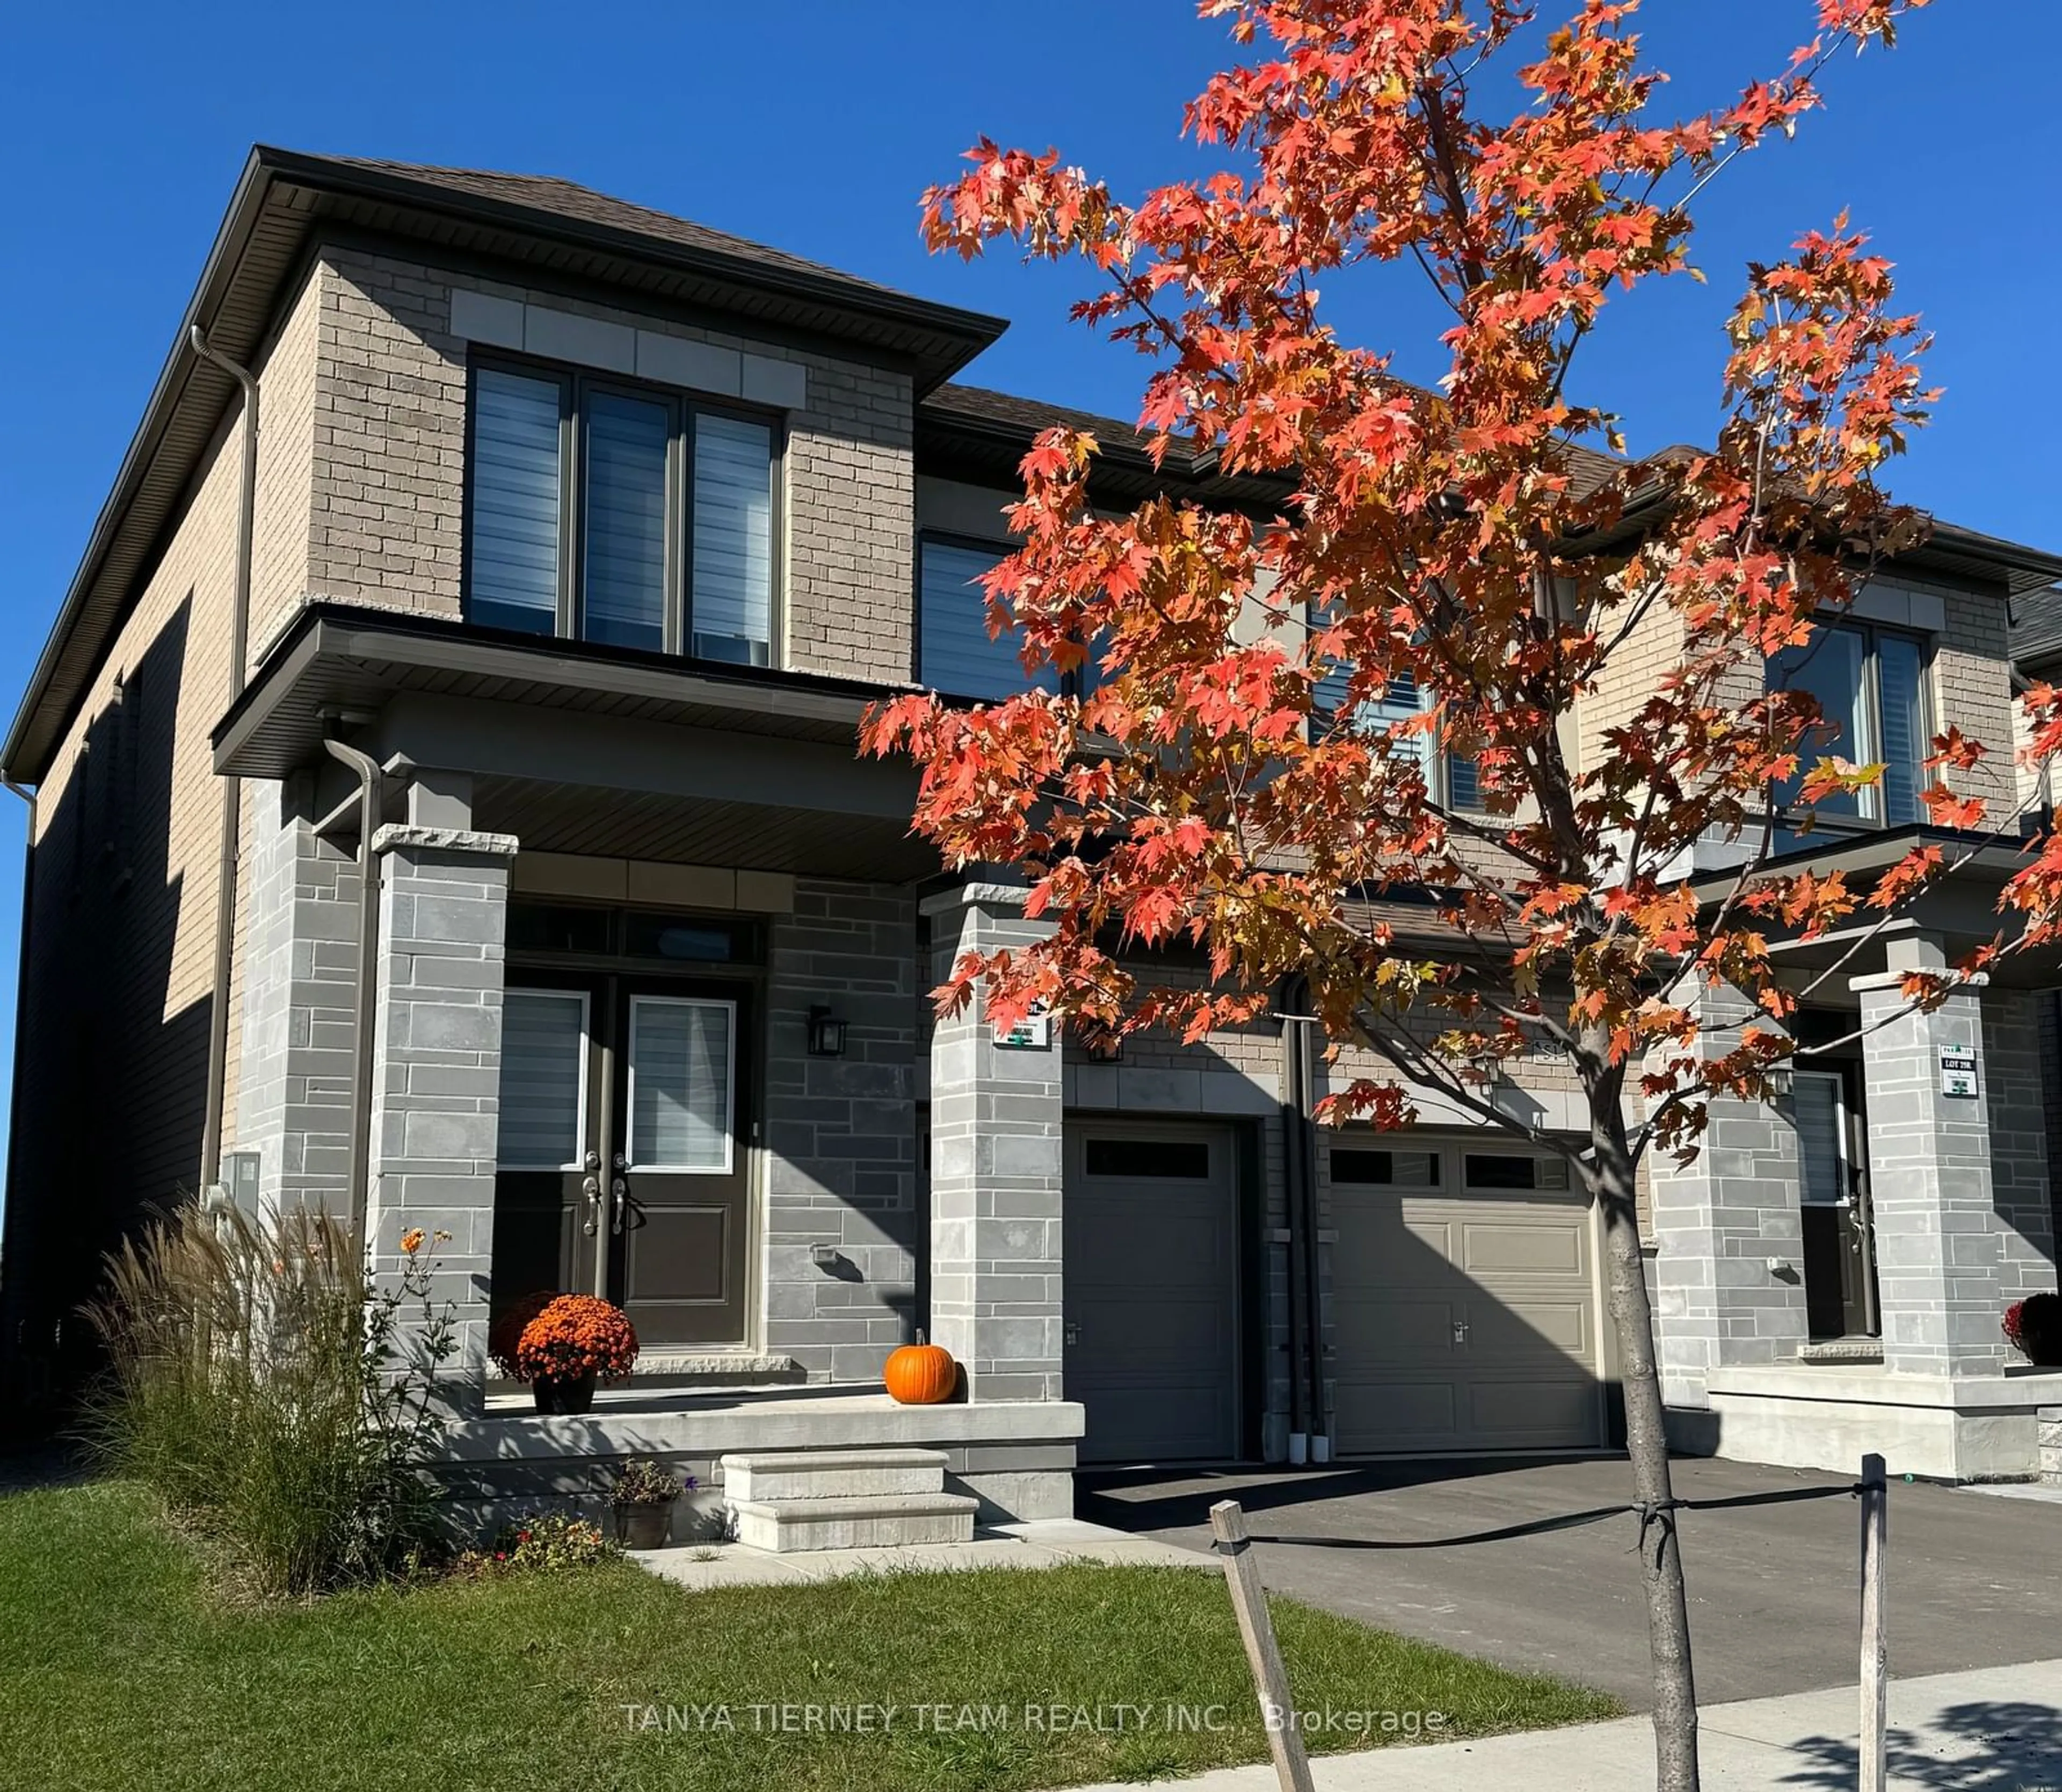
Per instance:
{"type": "Point", "coordinates": [1464, 1300]}
{"type": "Point", "coordinates": [1151, 1245]}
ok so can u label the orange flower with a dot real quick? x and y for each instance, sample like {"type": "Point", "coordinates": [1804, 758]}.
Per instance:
{"type": "Point", "coordinates": [411, 1241]}
{"type": "Point", "coordinates": [568, 1338]}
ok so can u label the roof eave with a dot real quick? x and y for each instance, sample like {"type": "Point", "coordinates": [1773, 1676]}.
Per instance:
{"type": "Point", "coordinates": [977, 329]}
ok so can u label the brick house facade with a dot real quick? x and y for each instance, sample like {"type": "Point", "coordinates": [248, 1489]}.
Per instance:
{"type": "Point", "coordinates": [592, 858]}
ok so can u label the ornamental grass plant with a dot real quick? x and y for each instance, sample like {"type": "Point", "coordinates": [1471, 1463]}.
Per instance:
{"type": "Point", "coordinates": [277, 1399]}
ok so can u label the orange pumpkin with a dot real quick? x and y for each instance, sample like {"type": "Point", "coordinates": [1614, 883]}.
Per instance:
{"type": "Point", "coordinates": [921, 1374]}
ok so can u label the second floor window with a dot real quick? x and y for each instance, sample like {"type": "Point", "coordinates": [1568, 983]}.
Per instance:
{"type": "Point", "coordinates": [956, 655]}
{"type": "Point", "coordinates": [1450, 778]}
{"type": "Point", "coordinates": [1870, 685]}
{"type": "Point", "coordinates": [619, 514]}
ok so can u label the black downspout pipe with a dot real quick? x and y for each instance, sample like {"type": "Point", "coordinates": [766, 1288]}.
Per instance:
{"type": "Point", "coordinates": [1292, 1165]}
{"type": "Point", "coordinates": [232, 786]}
{"type": "Point", "coordinates": [365, 980]}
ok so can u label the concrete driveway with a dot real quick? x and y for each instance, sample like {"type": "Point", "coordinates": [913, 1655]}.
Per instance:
{"type": "Point", "coordinates": [1974, 1580]}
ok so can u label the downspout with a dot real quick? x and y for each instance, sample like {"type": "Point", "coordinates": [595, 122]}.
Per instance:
{"type": "Point", "coordinates": [232, 786]}
{"type": "Point", "coordinates": [365, 982]}
{"type": "Point", "coordinates": [1292, 1166]}
{"type": "Point", "coordinates": [8, 1305]}
{"type": "Point", "coordinates": [1295, 1032]}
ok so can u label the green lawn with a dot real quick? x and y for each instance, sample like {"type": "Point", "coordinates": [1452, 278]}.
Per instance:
{"type": "Point", "coordinates": [119, 1669]}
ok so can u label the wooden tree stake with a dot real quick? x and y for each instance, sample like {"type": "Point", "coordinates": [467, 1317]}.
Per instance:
{"type": "Point", "coordinates": [1285, 1740]}
{"type": "Point", "coordinates": [1875, 1656]}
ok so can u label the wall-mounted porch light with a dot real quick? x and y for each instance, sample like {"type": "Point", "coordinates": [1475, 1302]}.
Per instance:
{"type": "Point", "coordinates": [826, 1034]}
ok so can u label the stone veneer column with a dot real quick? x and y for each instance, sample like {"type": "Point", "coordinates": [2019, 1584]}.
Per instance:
{"type": "Point", "coordinates": [995, 1170]}
{"type": "Point", "coordinates": [437, 1068]}
{"type": "Point", "coordinates": [1937, 1241]}
{"type": "Point", "coordinates": [1718, 1225]}
{"type": "Point", "coordinates": [296, 1069]}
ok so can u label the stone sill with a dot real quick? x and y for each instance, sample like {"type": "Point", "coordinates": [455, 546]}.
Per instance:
{"type": "Point", "coordinates": [1848, 1350]}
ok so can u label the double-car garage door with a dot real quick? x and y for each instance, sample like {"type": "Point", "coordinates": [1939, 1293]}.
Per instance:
{"type": "Point", "coordinates": [1462, 1296]}
{"type": "Point", "coordinates": [1464, 1303]}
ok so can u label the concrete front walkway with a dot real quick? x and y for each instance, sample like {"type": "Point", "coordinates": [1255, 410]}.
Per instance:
{"type": "Point", "coordinates": [1997, 1729]}
{"type": "Point", "coordinates": [1046, 1543]}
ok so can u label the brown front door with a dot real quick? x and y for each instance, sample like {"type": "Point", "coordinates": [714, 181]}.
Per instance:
{"type": "Point", "coordinates": [624, 1171]}
{"type": "Point", "coordinates": [679, 1169]}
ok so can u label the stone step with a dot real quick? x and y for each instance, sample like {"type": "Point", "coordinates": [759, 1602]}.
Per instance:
{"type": "Point", "coordinates": [869, 1520]}
{"type": "Point", "coordinates": [829, 1474]}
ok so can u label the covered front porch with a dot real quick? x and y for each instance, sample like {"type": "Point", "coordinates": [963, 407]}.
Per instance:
{"type": "Point", "coordinates": [1831, 1273]}
{"type": "Point", "coordinates": [647, 1020]}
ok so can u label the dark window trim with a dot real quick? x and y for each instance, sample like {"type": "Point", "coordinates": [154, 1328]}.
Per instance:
{"type": "Point", "coordinates": [1870, 698]}
{"type": "Point", "coordinates": [684, 405]}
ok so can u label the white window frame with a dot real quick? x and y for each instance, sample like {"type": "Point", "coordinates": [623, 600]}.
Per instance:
{"type": "Point", "coordinates": [585, 1077]}
{"type": "Point", "coordinates": [729, 1087]}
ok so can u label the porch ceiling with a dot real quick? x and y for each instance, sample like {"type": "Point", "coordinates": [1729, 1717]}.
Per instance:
{"type": "Point", "coordinates": [615, 824]}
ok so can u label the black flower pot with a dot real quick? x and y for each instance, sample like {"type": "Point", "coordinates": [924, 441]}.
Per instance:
{"type": "Point", "coordinates": [2040, 1330]}
{"type": "Point", "coordinates": [574, 1395]}
{"type": "Point", "coordinates": [644, 1527]}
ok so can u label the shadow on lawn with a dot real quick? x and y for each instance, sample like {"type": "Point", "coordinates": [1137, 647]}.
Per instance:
{"type": "Point", "coordinates": [2005, 1746]}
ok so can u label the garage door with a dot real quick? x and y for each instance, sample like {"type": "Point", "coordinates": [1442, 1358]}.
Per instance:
{"type": "Point", "coordinates": [1464, 1301]}
{"type": "Point", "coordinates": [1152, 1291]}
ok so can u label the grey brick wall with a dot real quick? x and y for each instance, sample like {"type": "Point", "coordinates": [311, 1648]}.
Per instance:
{"type": "Point", "coordinates": [1938, 1243]}
{"type": "Point", "coordinates": [996, 1260]}
{"type": "Point", "coordinates": [1718, 1225]}
{"type": "Point", "coordinates": [437, 1068]}
{"type": "Point", "coordinates": [293, 1102]}
{"type": "Point", "coordinates": [2017, 1112]}
{"type": "Point", "coordinates": [840, 1140]}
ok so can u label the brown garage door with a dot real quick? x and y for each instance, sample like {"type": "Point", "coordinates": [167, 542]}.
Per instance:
{"type": "Point", "coordinates": [1464, 1300]}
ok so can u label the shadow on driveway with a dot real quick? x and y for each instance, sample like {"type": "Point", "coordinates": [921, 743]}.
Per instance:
{"type": "Point", "coordinates": [1772, 1579]}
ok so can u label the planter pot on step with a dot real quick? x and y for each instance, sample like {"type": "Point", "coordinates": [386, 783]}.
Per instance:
{"type": "Point", "coordinates": [644, 1527]}
{"type": "Point", "coordinates": [573, 1396]}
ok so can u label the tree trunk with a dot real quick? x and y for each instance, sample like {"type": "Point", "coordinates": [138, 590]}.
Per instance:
{"type": "Point", "coordinates": [1660, 1552]}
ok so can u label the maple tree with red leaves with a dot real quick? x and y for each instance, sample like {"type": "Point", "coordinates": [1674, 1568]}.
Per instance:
{"type": "Point", "coordinates": [1248, 791]}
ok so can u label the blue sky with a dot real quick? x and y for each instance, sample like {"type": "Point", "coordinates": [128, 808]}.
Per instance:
{"type": "Point", "coordinates": [813, 124]}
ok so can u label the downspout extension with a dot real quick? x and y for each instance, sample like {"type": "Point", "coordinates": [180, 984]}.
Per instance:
{"type": "Point", "coordinates": [232, 786]}
{"type": "Point", "coordinates": [365, 981]}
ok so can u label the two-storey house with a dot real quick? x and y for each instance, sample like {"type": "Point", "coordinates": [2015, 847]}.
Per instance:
{"type": "Point", "coordinates": [446, 811]}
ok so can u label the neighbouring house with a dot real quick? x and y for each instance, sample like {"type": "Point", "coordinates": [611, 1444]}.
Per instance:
{"type": "Point", "coordinates": [512, 708]}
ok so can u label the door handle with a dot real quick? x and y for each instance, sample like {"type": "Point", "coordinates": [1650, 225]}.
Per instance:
{"type": "Point", "coordinates": [619, 1192]}
{"type": "Point", "coordinates": [591, 1189]}
{"type": "Point", "coordinates": [1460, 1331]}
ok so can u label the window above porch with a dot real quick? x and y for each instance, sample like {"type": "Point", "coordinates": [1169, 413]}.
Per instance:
{"type": "Point", "coordinates": [626, 514]}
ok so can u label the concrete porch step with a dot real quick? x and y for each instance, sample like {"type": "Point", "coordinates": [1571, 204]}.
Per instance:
{"type": "Point", "coordinates": [865, 1521]}
{"type": "Point", "coordinates": [825, 1474]}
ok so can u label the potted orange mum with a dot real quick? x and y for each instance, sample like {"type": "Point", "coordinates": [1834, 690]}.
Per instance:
{"type": "Point", "coordinates": [561, 1345]}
